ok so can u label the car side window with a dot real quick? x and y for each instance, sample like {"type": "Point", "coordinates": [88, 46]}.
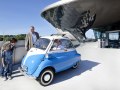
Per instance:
{"type": "Point", "coordinates": [56, 45]}
{"type": "Point", "coordinates": [64, 44]}
{"type": "Point", "coordinates": [67, 43]}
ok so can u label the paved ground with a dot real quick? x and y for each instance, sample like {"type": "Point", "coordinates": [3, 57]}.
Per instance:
{"type": "Point", "coordinates": [99, 70]}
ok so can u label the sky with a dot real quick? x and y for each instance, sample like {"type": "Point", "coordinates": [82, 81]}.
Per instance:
{"type": "Point", "coordinates": [16, 16]}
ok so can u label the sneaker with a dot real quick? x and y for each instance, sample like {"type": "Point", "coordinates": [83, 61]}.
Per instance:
{"type": "Point", "coordinates": [5, 79]}
{"type": "Point", "coordinates": [10, 77]}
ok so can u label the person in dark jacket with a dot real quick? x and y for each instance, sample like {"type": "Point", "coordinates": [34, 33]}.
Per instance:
{"type": "Point", "coordinates": [7, 58]}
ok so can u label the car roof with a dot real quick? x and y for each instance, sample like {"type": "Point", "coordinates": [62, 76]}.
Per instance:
{"type": "Point", "coordinates": [55, 37]}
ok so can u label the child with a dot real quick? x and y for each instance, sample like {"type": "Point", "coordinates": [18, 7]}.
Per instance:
{"type": "Point", "coordinates": [7, 61]}
{"type": "Point", "coordinates": [7, 55]}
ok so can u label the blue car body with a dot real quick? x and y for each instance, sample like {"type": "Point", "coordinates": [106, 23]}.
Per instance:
{"type": "Point", "coordinates": [36, 60]}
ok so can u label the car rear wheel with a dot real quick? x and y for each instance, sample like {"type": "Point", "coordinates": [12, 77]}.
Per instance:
{"type": "Point", "coordinates": [46, 77]}
{"type": "Point", "coordinates": [76, 65]}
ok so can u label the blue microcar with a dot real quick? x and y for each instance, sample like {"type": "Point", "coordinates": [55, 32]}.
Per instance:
{"type": "Point", "coordinates": [54, 54]}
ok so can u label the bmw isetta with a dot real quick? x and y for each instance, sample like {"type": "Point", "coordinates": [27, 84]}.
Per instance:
{"type": "Point", "coordinates": [55, 54]}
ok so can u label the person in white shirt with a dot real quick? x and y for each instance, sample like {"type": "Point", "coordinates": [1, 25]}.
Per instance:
{"type": "Point", "coordinates": [31, 38]}
{"type": "Point", "coordinates": [59, 45]}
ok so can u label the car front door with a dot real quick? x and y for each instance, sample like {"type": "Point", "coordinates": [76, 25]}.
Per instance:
{"type": "Point", "coordinates": [62, 58]}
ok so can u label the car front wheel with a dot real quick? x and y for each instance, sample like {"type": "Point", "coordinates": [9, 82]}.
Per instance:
{"type": "Point", "coordinates": [76, 65]}
{"type": "Point", "coordinates": [46, 77]}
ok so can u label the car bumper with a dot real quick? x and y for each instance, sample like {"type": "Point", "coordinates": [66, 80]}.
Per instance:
{"type": "Point", "coordinates": [25, 74]}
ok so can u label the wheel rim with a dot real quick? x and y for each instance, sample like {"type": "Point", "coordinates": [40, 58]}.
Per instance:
{"type": "Point", "coordinates": [47, 77]}
{"type": "Point", "coordinates": [76, 65]}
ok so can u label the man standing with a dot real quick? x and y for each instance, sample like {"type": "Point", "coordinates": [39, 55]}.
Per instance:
{"type": "Point", "coordinates": [31, 38]}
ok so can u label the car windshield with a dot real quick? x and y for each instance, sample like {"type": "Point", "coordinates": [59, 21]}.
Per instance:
{"type": "Point", "coordinates": [43, 43]}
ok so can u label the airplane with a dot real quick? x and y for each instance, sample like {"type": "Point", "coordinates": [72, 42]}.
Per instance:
{"type": "Point", "coordinates": [78, 16]}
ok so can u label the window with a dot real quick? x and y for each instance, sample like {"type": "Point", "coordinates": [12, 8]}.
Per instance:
{"type": "Point", "coordinates": [43, 43]}
{"type": "Point", "coordinates": [113, 36]}
{"type": "Point", "coordinates": [66, 43]}
{"type": "Point", "coordinates": [61, 44]}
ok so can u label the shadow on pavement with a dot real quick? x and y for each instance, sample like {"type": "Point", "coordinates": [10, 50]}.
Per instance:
{"type": "Point", "coordinates": [84, 66]}
{"type": "Point", "coordinates": [16, 66]}
{"type": "Point", "coordinates": [16, 73]}
{"type": "Point", "coordinates": [17, 76]}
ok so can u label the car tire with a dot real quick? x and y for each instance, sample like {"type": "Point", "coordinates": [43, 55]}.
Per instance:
{"type": "Point", "coordinates": [46, 77]}
{"type": "Point", "coordinates": [76, 65]}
